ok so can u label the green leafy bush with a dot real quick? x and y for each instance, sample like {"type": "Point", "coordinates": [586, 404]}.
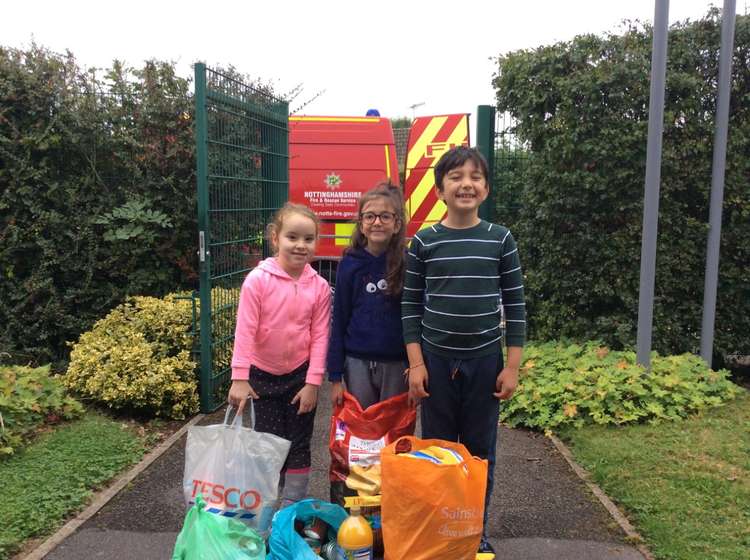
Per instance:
{"type": "Point", "coordinates": [138, 358]}
{"type": "Point", "coordinates": [29, 398]}
{"type": "Point", "coordinates": [97, 194]}
{"type": "Point", "coordinates": [575, 384]}
{"type": "Point", "coordinates": [581, 109]}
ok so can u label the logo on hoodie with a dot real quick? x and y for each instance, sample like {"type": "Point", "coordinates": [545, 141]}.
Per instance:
{"type": "Point", "coordinates": [371, 287]}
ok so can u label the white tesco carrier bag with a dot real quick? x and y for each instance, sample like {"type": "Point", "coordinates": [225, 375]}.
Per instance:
{"type": "Point", "coordinates": [236, 469]}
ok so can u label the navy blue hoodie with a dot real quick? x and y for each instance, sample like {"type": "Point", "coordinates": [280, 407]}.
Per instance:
{"type": "Point", "coordinates": [366, 321]}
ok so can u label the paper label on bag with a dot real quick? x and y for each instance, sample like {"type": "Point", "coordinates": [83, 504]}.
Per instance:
{"type": "Point", "coordinates": [365, 451]}
{"type": "Point", "coordinates": [340, 431]}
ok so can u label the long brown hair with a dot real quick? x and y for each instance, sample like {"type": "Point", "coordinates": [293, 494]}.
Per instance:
{"type": "Point", "coordinates": [394, 271]}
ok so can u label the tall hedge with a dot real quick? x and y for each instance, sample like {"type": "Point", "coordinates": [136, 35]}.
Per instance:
{"type": "Point", "coordinates": [582, 108]}
{"type": "Point", "coordinates": [97, 194]}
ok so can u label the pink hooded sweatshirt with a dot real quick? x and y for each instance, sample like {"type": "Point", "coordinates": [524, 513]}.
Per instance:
{"type": "Point", "coordinates": [282, 322]}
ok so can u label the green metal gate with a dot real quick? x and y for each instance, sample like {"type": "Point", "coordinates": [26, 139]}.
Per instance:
{"type": "Point", "coordinates": [242, 143]}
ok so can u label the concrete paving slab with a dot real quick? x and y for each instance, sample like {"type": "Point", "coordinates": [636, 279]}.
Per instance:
{"type": "Point", "coordinates": [93, 543]}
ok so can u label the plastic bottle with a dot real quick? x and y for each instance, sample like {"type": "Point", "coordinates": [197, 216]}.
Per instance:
{"type": "Point", "coordinates": [355, 537]}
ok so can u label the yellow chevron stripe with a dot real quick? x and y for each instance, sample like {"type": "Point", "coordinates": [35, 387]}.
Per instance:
{"type": "Point", "coordinates": [437, 212]}
{"type": "Point", "coordinates": [418, 195]}
{"type": "Point", "coordinates": [458, 136]}
{"type": "Point", "coordinates": [343, 233]}
{"type": "Point", "coordinates": [418, 149]}
{"type": "Point", "coordinates": [420, 192]}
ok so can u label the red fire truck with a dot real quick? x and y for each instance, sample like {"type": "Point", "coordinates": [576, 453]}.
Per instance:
{"type": "Point", "coordinates": [333, 160]}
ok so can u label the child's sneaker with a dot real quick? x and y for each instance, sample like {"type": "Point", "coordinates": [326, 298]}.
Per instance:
{"type": "Point", "coordinates": [485, 552]}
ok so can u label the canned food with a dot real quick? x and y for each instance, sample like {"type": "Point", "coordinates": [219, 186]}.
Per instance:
{"type": "Point", "coordinates": [314, 544]}
{"type": "Point", "coordinates": [329, 551]}
{"type": "Point", "coordinates": [317, 529]}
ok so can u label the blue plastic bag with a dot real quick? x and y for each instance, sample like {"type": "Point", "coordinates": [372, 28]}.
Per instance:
{"type": "Point", "coordinates": [207, 536]}
{"type": "Point", "coordinates": [285, 543]}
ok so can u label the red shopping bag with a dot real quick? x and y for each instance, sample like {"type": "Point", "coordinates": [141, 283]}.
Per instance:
{"type": "Point", "coordinates": [357, 436]}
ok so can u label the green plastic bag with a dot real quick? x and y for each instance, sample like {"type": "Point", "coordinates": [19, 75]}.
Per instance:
{"type": "Point", "coordinates": [207, 536]}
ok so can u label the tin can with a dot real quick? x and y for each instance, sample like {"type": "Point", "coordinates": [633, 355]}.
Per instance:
{"type": "Point", "coordinates": [329, 551]}
{"type": "Point", "coordinates": [317, 529]}
{"type": "Point", "coordinates": [314, 544]}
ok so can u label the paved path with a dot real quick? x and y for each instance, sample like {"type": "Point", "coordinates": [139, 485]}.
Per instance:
{"type": "Point", "coordinates": [541, 509]}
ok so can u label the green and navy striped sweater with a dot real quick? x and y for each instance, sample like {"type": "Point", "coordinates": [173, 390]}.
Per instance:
{"type": "Point", "coordinates": [456, 282]}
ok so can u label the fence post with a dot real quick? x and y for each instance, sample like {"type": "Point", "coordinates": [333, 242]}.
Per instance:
{"type": "Point", "coordinates": [486, 145]}
{"type": "Point", "coordinates": [204, 255]}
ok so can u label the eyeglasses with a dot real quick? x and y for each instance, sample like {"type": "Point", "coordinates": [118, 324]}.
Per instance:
{"type": "Point", "coordinates": [385, 217]}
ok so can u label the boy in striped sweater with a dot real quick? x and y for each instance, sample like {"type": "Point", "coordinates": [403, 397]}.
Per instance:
{"type": "Point", "coordinates": [461, 274]}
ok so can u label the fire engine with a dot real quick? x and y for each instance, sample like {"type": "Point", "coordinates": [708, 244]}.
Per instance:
{"type": "Point", "coordinates": [333, 160]}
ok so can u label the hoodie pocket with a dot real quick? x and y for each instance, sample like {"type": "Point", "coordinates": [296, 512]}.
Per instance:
{"type": "Point", "coordinates": [271, 346]}
{"type": "Point", "coordinates": [281, 347]}
{"type": "Point", "coordinates": [301, 342]}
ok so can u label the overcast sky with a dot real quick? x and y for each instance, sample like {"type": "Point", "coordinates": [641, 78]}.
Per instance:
{"type": "Point", "coordinates": [385, 54]}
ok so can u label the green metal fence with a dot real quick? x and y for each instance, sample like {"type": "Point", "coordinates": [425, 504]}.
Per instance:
{"type": "Point", "coordinates": [242, 143]}
{"type": "Point", "coordinates": [510, 162]}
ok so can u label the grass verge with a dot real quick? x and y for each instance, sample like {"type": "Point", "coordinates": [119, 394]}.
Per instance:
{"type": "Point", "coordinates": [684, 484]}
{"type": "Point", "coordinates": [54, 476]}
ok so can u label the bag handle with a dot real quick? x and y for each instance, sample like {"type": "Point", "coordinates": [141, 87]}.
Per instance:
{"type": "Point", "coordinates": [237, 422]}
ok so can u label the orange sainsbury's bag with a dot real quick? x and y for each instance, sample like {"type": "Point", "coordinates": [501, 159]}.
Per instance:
{"type": "Point", "coordinates": [432, 510]}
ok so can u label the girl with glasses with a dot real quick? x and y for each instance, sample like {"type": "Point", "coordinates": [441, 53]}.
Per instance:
{"type": "Point", "coordinates": [366, 352]}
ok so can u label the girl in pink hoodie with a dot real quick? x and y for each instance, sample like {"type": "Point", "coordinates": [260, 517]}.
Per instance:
{"type": "Point", "coordinates": [281, 342]}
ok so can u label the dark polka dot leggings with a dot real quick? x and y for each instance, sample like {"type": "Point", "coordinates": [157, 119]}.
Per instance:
{"type": "Point", "coordinates": [275, 414]}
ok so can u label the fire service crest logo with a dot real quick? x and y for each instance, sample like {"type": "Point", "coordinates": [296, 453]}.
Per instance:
{"type": "Point", "coordinates": [333, 181]}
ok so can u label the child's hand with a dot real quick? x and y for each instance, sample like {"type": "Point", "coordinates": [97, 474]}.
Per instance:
{"type": "Point", "coordinates": [307, 398]}
{"type": "Point", "coordinates": [238, 393]}
{"type": "Point", "coordinates": [506, 383]}
{"type": "Point", "coordinates": [418, 379]}
{"type": "Point", "coordinates": [337, 393]}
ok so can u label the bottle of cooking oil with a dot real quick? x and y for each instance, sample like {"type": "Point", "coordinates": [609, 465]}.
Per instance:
{"type": "Point", "coordinates": [355, 537]}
